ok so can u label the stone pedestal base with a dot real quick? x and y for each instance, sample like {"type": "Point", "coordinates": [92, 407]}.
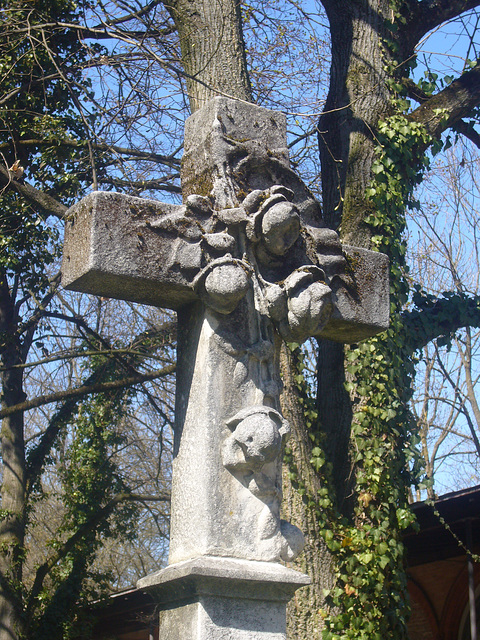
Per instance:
{"type": "Point", "coordinates": [213, 598]}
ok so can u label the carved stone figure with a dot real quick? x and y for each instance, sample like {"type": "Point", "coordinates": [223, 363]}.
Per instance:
{"type": "Point", "coordinates": [247, 264]}
{"type": "Point", "coordinates": [252, 454]}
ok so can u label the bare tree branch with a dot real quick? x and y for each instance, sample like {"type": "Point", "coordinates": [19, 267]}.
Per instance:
{"type": "Point", "coordinates": [39, 198]}
{"type": "Point", "coordinates": [135, 15]}
{"type": "Point", "coordinates": [461, 402]}
{"type": "Point", "coordinates": [99, 32]}
{"type": "Point", "coordinates": [425, 15]}
{"type": "Point", "coordinates": [450, 105]}
{"type": "Point", "coordinates": [169, 161]}
{"type": "Point", "coordinates": [145, 185]}
{"type": "Point", "coordinates": [466, 129]}
{"type": "Point", "coordinates": [85, 390]}
{"type": "Point", "coordinates": [90, 525]}
{"type": "Point", "coordinates": [37, 455]}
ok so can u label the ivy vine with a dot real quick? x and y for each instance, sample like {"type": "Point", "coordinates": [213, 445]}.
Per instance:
{"type": "Point", "coordinates": [371, 584]}
{"type": "Point", "coordinates": [369, 600]}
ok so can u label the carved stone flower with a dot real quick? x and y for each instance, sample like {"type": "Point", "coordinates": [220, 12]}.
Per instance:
{"type": "Point", "coordinates": [309, 304]}
{"type": "Point", "coordinates": [223, 284]}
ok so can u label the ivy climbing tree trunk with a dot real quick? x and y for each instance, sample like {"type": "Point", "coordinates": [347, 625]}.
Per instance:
{"type": "Point", "coordinates": [372, 51]}
{"type": "Point", "coordinates": [358, 97]}
{"type": "Point", "coordinates": [372, 157]}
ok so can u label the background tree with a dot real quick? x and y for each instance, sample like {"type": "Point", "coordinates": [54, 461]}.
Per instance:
{"type": "Point", "coordinates": [444, 252]}
{"type": "Point", "coordinates": [372, 145]}
{"type": "Point", "coordinates": [68, 484]}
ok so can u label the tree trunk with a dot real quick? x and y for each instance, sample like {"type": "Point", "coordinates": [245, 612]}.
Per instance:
{"type": "Point", "coordinates": [358, 98]}
{"type": "Point", "coordinates": [12, 523]}
{"type": "Point", "coordinates": [300, 501]}
{"type": "Point", "coordinates": [213, 50]}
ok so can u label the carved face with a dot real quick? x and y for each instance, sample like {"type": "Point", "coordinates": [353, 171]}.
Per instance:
{"type": "Point", "coordinates": [255, 441]}
{"type": "Point", "coordinates": [280, 228]}
{"type": "Point", "coordinates": [259, 439]}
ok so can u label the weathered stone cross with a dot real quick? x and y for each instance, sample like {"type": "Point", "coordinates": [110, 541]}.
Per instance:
{"type": "Point", "coordinates": [245, 265]}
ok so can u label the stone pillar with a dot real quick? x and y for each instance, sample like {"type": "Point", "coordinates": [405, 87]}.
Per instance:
{"type": "Point", "coordinates": [212, 598]}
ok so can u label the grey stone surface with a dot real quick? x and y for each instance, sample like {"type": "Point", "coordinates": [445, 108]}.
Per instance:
{"type": "Point", "coordinates": [150, 252]}
{"type": "Point", "coordinates": [361, 302]}
{"type": "Point", "coordinates": [212, 575]}
{"type": "Point", "coordinates": [111, 250]}
{"type": "Point", "coordinates": [224, 618]}
{"type": "Point", "coordinates": [233, 147]}
{"type": "Point", "coordinates": [223, 598]}
{"type": "Point", "coordinates": [227, 500]}
{"type": "Point", "coordinates": [115, 247]}
{"type": "Point", "coordinates": [258, 266]}
{"type": "Point", "coordinates": [246, 262]}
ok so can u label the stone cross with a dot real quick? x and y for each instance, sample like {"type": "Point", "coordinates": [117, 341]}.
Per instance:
{"type": "Point", "coordinates": [246, 264]}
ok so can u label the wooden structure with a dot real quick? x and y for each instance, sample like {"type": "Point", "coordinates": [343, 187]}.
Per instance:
{"type": "Point", "coordinates": [437, 578]}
